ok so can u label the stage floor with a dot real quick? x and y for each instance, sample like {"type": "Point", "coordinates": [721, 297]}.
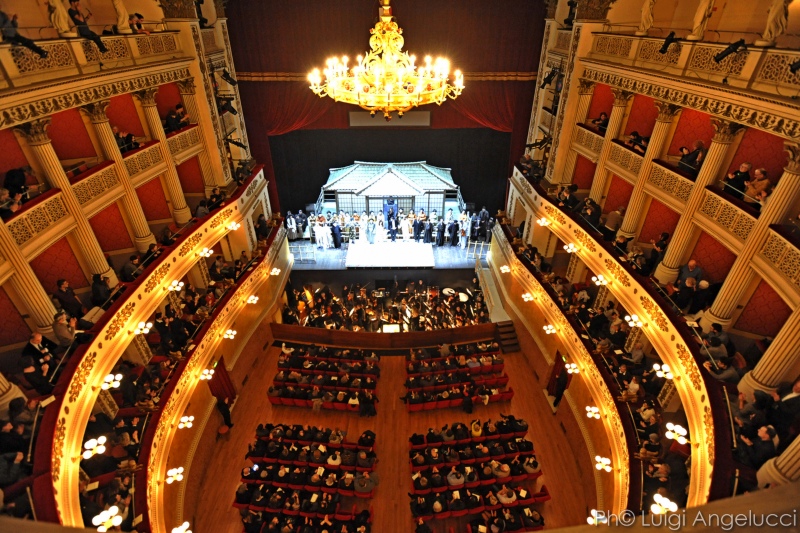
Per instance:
{"type": "Point", "coordinates": [390, 255]}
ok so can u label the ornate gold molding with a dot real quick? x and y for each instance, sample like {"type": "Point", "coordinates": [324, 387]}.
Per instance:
{"type": "Point", "coordinates": [593, 9]}
{"type": "Point", "coordinates": [96, 111]}
{"type": "Point", "coordinates": [585, 86]}
{"type": "Point", "coordinates": [20, 114]}
{"type": "Point", "coordinates": [666, 111]}
{"type": "Point", "coordinates": [725, 130]}
{"type": "Point", "coordinates": [147, 96]}
{"type": "Point", "coordinates": [621, 96]}
{"type": "Point", "coordinates": [780, 125]}
{"type": "Point", "coordinates": [35, 131]}
{"type": "Point", "coordinates": [187, 86]}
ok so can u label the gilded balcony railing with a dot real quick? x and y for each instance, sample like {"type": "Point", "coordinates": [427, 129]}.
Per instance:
{"type": "Point", "coordinates": [37, 216]}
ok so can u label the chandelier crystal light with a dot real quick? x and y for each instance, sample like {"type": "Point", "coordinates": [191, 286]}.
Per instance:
{"type": "Point", "coordinates": [386, 79]}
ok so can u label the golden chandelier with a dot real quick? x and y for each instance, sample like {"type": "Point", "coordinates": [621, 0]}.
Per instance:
{"type": "Point", "coordinates": [387, 79]}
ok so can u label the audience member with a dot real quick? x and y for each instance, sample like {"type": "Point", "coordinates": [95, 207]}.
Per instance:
{"type": "Point", "coordinates": [691, 160]}
{"type": "Point", "coordinates": [601, 122]}
{"type": "Point", "coordinates": [9, 204]}
{"type": "Point", "coordinates": [125, 140]}
{"type": "Point", "coordinates": [9, 25]}
{"type": "Point", "coordinates": [735, 181]}
{"type": "Point", "coordinates": [81, 24]}
{"type": "Point", "coordinates": [613, 222]}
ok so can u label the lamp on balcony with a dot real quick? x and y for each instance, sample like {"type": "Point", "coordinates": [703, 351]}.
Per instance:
{"type": "Point", "coordinates": [107, 519]}
{"type": "Point", "coordinates": [549, 329]}
{"type": "Point", "coordinates": [185, 422]}
{"type": "Point", "coordinates": [206, 252]}
{"type": "Point", "coordinates": [602, 463]}
{"type": "Point", "coordinates": [183, 528]}
{"type": "Point", "coordinates": [663, 505]}
{"type": "Point", "coordinates": [143, 328]}
{"type": "Point", "coordinates": [730, 49]}
{"type": "Point", "coordinates": [570, 248]}
{"type": "Point", "coordinates": [593, 412]}
{"type": "Point", "coordinates": [526, 297]}
{"type": "Point", "coordinates": [173, 475]}
{"type": "Point", "coordinates": [599, 280]}
{"type": "Point", "coordinates": [505, 269]}
{"type": "Point", "coordinates": [677, 433]}
{"type": "Point", "coordinates": [111, 381]}
{"type": "Point", "coordinates": [543, 222]}
{"type": "Point", "coordinates": [93, 447]}
{"type": "Point", "coordinates": [663, 371]}
{"type": "Point", "coordinates": [633, 321]}
{"type": "Point", "coordinates": [233, 226]}
{"type": "Point", "coordinates": [207, 374]}
{"type": "Point", "coordinates": [275, 272]}
{"type": "Point", "coordinates": [253, 299]}
{"type": "Point", "coordinates": [229, 334]}
{"type": "Point", "coordinates": [597, 518]}
{"type": "Point", "coordinates": [572, 368]}
{"type": "Point", "coordinates": [175, 286]}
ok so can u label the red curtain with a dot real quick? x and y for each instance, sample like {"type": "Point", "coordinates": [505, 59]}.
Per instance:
{"type": "Point", "coordinates": [221, 385]}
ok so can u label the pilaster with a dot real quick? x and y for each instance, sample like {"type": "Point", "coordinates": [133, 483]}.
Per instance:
{"type": "Point", "coordinates": [585, 92]}
{"type": "Point", "coordinates": [614, 125]}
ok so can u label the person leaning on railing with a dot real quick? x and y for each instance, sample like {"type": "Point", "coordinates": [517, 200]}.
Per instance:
{"type": "Point", "coordinates": [8, 25]}
{"type": "Point", "coordinates": [692, 159]}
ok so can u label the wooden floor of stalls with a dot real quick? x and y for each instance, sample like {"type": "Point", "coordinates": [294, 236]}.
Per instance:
{"type": "Point", "coordinates": [560, 448]}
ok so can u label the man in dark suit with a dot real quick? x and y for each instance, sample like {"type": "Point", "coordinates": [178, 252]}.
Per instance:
{"type": "Point", "coordinates": [391, 223]}
{"type": "Point", "coordinates": [39, 349]}
{"type": "Point", "coordinates": [784, 407]}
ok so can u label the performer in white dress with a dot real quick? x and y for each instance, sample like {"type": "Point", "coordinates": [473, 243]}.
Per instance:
{"type": "Point", "coordinates": [362, 232]}
{"type": "Point", "coordinates": [291, 228]}
{"type": "Point", "coordinates": [405, 227]}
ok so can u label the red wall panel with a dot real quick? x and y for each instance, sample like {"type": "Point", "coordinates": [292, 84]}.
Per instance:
{"type": "Point", "coordinates": [602, 100]}
{"type": "Point", "coordinates": [167, 96]}
{"type": "Point", "coordinates": [762, 149]}
{"type": "Point", "coordinates": [14, 328]}
{"type": "Point", "coordinates": [765, 313]}
{"type": "Point", "coordinates": [12, 153]}
{"type": "Point", "coordinates": [122, 114]}
{"type": "Point", "coordinates": [642, 117]}
{"type": "Point", "coordinates": [69, 135]}
{"type": "Point", "coordinates": [659, 218]}
{"type": "Point", "coordinates": [191, 176]}
{"type": "Point", "coordinates": [584, 173]}
{"type": "Point", "coordinates": [58, 262]}
{"type": "Point", "coordinates": [110, 229]}
{"type": "Point", "coordinates": [692, 125]}
{"type": "Point", "coordinates": [713, 257]}
{"type": "Point", "coordinates": [153, 200]}
{"type": "Point", "coordinates": [619, 193]}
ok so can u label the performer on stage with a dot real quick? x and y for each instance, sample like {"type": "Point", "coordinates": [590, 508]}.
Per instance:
{"type": "Point", "coordinates": [417, 227]}
{"type": "Point", "coordinates": [463, 228]}
{"type": "Point", "coordinates": [440, 231]}
{"type": "Point", "coordinates": [291, 227]}
{"type": "Point", "coordinates": [408, 227]}
{"type": "Point", "coordinates": [428, 232]}
{"type": "Point", "coordinates": [392, 225]}
{"type": "Point", "coordinates": [371, 230]}
{"type": "Point", "coordinates": [362, 227]}
{"type": "Point", "coordinates": [337, 234]}
{"type": "Point", "coordinates": [454, 233]}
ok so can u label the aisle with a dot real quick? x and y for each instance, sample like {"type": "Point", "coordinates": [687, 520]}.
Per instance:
{"type": "Point", "coordinates": [565, 462]}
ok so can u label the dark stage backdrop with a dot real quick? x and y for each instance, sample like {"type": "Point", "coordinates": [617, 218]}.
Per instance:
{"type": "Point", "coordinates": [478, 158]}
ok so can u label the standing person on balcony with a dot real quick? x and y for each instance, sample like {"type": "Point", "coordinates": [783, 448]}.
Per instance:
{"type": "Point", "coordinates": [613, 221]}
{"type": "Point", "coordinates": [81, 24]}
{"type": "Point", "coordinates": [8, 25]}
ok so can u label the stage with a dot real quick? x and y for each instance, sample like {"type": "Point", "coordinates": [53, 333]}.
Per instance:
{"type": "Point", "coordinates": [389, 254]}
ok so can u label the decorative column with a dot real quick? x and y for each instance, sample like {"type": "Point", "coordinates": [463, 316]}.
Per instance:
{"type": "Point", "coordinates": [189, 97]}
{"type": "Point", "coordinates": [782, 469]}
{"type": "Point", "coordinates": [614, 125]}
{"type": "Point", "coordinates": [27, 285]}
{"type": "Point", "coordinates": [585, 92]}
{"type": "Point", "coordinates": [667, 269]}
{"type": "Point", "coordinates": [666, 112]}
{"type": "Point", "coordinates": [35, 133]}
{"type": "Point", "coordinates": [780, 205]}
{"type": "Point", "coordinates": [142, 236]}
{"type": "Point", "coordinates": [180, 210]}
{"type": "Point", "coordinates": [779, 359]}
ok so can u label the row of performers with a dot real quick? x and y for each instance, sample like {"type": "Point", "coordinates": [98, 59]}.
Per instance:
{"type": "Point", "coordinates": [359, 312]}
{"type": "Point", "coordinates": [327, 230]}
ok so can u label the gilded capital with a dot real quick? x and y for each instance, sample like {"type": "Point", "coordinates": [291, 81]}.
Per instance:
{"type": "Point", "coordinates": [186, 86]}
{"type": "Point", "coordinates": [35, 131]}
{"type": "Point", "coordinates": [793, 161]}
{"type": "Point", "coordinates": [147, 96]}
{"type": "Point", "coordinates": [96, 111]}
{"type": "Point", "coordinates": [666, 111]}
{"type": "Point", "coordinates": [621, 96]}
{"type": "Point", "coordinates": [725, 130]}
{"type": "Point", "coordinates": [585, 86]}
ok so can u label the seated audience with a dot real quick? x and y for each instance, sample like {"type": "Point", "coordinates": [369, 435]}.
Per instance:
{"type": "Point", "coordinates": [601, 121]}
{"type": "Point", "coordinates": [691, 160]}
{"type": "Point", "coordinates": [735, 181]}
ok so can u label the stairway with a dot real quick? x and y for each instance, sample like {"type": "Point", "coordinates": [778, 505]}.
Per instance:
{"type": "Point", "coordinates": [507, 337]}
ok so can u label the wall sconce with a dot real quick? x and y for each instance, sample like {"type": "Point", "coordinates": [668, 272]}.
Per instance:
{"type": "Point", "coordinates": [676, 432]}
{"type": "Point", "coordinates": [233, 226]}
{"type": "Point", "coordinates": [602, 463]}
{"type": "Point", "coordinates": [252, 299]}
{"type": "Point", "coordinates": [599, 280]}
{"type": "Point", "coordinates": [229, 334]}
{"type": "Point", "coordinates": [143, 328]}
{"type": "Point", "coordinates": [543, 222]}
{"type": "Point", "coordinates": [570, 248]}
{"type": "Point", "coordinates": [663, 505]}
{"type": "Point", "coordinates": [175, 286]}
{"type": "Point", "coordinates": [572, 368]}
{"type": "Point", "coordinates": [597, 518]}
{"type": "Point", "coordinates": [505, 269]}
{"type": "Point", "coordinates": [107, 519]}
{"type": "Point", "coordinates": [93, 447]}
{"type": "Point", "coordinates": [526, 297]}
{"type": "Point", "coordinates": [111, 381]}
{"type": "Point", "coordinates": [206, 252]}
{"type": "Point", "coordinates": [186, 422]}
{"type": "Point", "coordinates": [208, 373]}
{"type": "Point", "coordinates": [183, 528]}
{"type": "Point", "coordinates": [549, 329]}
{"type": "Point", "coordinates": [174, 474]}
{"type": "Point", "coordinates": [663, 371]}
{"type": "Point", "coordinates": [633, 321]}
{"type": "Point", "coordinates": [275, 272]}
{"type": "Point", "coordinates": [593, 412]}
